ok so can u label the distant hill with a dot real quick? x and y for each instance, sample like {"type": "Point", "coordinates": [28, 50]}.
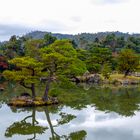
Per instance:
{"type": "Point", "coordinates": [80, 40]}
{"type": "Point", "coordinates": [83, 37]}
{"type": "Point", "coordinates": [88, 36]}
{"type": "Point", "coordinates": [40, 35]}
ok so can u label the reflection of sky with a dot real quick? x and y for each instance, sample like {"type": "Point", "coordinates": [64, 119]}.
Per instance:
{"type": "Point", "coordinates": [97, 124]}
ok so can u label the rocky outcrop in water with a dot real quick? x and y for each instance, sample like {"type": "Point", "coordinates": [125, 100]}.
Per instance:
{"type": "Point", "coordinates": [90, 78]}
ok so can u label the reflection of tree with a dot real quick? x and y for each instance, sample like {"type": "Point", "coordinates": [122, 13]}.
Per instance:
{"type": "Point", "coordinates": [7, 93]}
{"type": "Point", "coordinates": [33, 128]}
{"type": "Point", "coordinates": [55, 136]}
{"type": "Point", "coordinates": [124, 102]}
{"type": "Point", "coordinates": [25, 128]}
{"type": "Point", "coordinates": [65, 118]}
{"type": "Point", "coordinates": [79, 135]}
{"type": "Point", "coordinates": [86, 86]}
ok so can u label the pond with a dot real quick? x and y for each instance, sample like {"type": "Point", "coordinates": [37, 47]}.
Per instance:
{"type": "Point", "coordinates": [99, 113]}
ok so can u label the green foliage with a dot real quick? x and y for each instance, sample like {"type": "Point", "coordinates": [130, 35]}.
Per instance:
{"type": "Point", "coordinates": [60, 58]}
{"type": "Point", "coordinates": [57, 60]}
{"type": "Point", "coordinates": [52, 62]}
{"type": "Point", "coordinates": [97, 58]}
{"type": "Point", "coordinates": [114, 63]}
{"type": "Point", "coordinates": [120, 42]}
{"type": "Point", "coordinates": [63, 47]}
{"type": "Point", "coordinates": [103, 55]}
{"type": "Point", "coordinates": [128, 61]}
{"type": "Point", "coordinates": [27, 70]}
{"type": "Point", "coordinates": [82, 54]}
{"type": "Point", "coordinates": [14, 47]}
{"type": "Point", "coordinates": [133, 43]}
{"type": "Point", "coordinates": [32, 48]}
{"type": "Point", "coordinates": [92, 66]}
{"type": "Point", "coordinates": [110, 41]}
{"type": "Point", "coordinates": [49, 39]}
{"type": "Point", "coordinates": [96, 44]}
{"type": "Point", "coordinates": [106, 71]}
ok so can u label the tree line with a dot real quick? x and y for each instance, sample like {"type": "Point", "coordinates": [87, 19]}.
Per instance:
{"type": "Point", "coordinates": [27, 61]}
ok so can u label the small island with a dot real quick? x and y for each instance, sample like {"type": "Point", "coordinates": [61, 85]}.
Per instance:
{"type": "Point", "coordinates": [27, 101]}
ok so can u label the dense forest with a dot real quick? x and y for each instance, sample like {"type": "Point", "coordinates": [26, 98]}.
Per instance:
{"type": "Point", "coordinates": [29, 59]}
{"type": "Point", "coordinates": [94, 49]}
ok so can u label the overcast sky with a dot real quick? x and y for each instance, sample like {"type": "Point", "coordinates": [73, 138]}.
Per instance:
{"type": "Point", "coordinates": [68, 16]}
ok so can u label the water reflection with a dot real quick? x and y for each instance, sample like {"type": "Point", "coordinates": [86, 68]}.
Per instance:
{"type": "Point", "coordinates": [26, 128]}
{"type": "Point", "coordinates": [31, 126]}
{"type": "Point", "coordinates": [124, 102]}
{"type": "Point", "coordinates": [98, 113]}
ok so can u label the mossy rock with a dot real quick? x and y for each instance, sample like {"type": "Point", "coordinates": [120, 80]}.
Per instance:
{"type": "Point", "coordinates": [21, 101]}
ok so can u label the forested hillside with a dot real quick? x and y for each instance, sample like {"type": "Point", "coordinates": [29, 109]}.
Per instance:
{"type": "Point", "coordinates": [83, 40]}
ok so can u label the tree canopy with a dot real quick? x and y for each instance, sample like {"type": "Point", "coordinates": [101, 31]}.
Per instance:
{"type": "Point", "coordinates": [128, 61]}
{"type": "Point", "coordinates": [52, 62]}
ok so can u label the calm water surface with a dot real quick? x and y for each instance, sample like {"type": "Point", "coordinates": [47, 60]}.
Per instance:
{"type": "Point", "coordinates": [103, 114]}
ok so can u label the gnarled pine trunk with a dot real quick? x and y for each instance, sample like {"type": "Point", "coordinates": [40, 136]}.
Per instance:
{"type": "Point", "coordinates": [45, 96]}
{"type": "Point", "coordinates": [33, 90]}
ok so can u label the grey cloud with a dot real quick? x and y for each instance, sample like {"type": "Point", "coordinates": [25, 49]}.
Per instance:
{"type": "Point", "coordinates": [54, 26]}
{"type": "Point", "coordinates": [112, 134]}
{"type": "Point", "coordinates": [11, 29]}
{"type": "Point", "coordinates": [7, 30]}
